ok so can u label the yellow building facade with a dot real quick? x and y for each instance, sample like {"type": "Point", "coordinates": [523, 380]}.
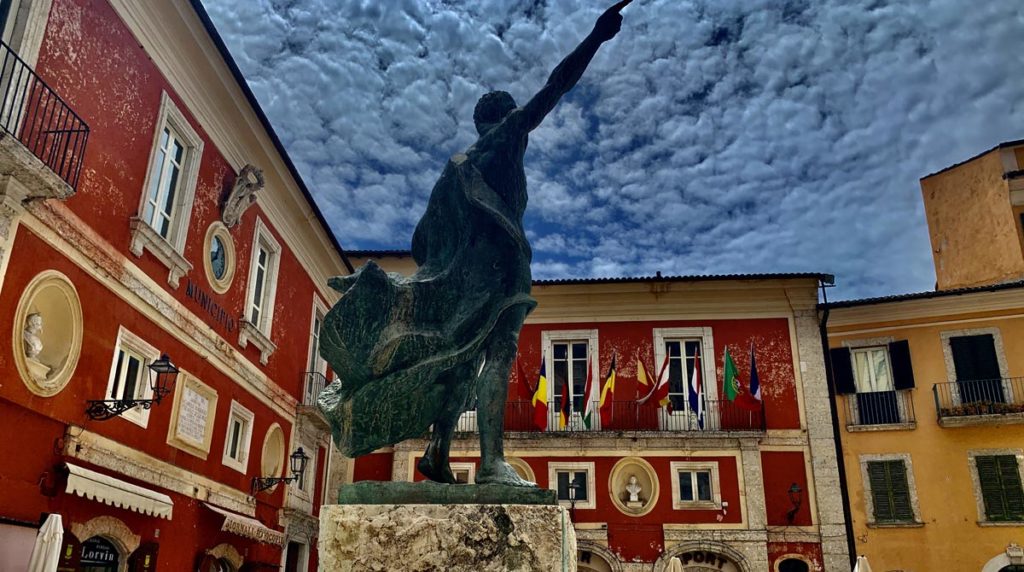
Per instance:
{"type": "Point", "coordinates": [929, 387]}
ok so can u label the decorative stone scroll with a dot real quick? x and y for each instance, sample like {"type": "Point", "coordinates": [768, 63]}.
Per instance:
{"type": "Point", "coordinates": [243, 194]}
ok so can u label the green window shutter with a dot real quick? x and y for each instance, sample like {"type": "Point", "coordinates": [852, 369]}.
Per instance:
{"type": "Point", "coordinates": [881, 495]}
{"type": "Point", "coordinates": [991, 487]}
{"type": "Point", "coordinates": [1013, 495]}
{"type": "Point", "coordinates": [903, 511]}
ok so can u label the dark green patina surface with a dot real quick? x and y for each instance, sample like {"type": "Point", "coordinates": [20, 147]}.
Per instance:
{"type": "Point", "coordinates": [429, 492]}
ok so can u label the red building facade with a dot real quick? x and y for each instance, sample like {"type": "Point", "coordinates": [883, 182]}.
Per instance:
{"type": "Point", "coordinates": [720, 486]}
{"type": "Point", "coordinates": [149, 210]}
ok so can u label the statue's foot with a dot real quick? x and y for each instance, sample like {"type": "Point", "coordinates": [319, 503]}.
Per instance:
{"type": "Point", "coordinates": [501, 473]}
{"type": "Point", "coordinates": [436, 470]}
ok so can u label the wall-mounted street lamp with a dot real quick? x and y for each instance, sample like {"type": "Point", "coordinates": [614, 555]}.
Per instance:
{"type": "Point", "coordinates": [573, 487]}
{"type": "Point", "coordinates": [796, 498]}
{"type": "Point", "coordinates": [298, 467]}
{"type": "Point", "coordinates": [162, 374]}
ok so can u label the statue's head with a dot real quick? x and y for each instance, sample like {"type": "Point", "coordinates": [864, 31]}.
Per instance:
{"type": "Point", "coordinates": [491, 109]}
{"type": "Point", "coordinates": [34, 323]}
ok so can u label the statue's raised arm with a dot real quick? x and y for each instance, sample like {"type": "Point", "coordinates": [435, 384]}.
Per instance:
{"type": "Point", "coordinates": [569, 71]}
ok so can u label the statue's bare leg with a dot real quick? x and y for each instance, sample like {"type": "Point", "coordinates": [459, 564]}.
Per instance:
{"type": "Point", "coordinates": [434, 464]}
{"type": "Point", "coordinates": [492, 391]}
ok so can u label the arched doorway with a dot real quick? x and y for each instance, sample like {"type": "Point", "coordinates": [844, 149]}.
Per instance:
{"type": "Point", "coordinates": [697, 556]}
{"type": "Point", "coordinates": [1012, 568]}
{"type": "Point", "coordinates": [99, 555]}
{"type": "Point", "coordinates": [593, 557]}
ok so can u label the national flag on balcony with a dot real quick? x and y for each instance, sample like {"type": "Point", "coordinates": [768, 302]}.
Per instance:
{"type": "Point", "coordinates": [731, 381]}
{"type": "Point", "coordinates": [540, 399]}
{"type": "Point", "coordinates": [566, 406]}
{"type": "Point", "coordinates": [589, 398]}
{"type": "Point", "coordinates": [607, 395]}
{"type": "Point", "coordinates": [696, 391]}
{"type": "Point", "coordinates": [641, 373]}
{"type": "Point", "coordinates": [660, 390]}
{"type": "Point", "coordinates": [524, 389]}
{"type": "Point", "coordinates": [750, 399]}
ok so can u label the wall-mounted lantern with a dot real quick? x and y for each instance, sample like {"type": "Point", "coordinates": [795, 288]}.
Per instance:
{"type": "Point", "coordinates": [298, 466]}
{"type": "Point", "coordinates": [162, 375]}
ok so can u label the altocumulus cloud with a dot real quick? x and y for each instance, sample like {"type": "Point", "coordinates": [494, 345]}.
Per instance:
{"type": "Point", "coordinates": [709, 137]}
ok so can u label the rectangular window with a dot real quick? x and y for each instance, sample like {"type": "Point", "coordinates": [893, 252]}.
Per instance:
{"type": "Point", "coordinates": [876, 401]}
{"type": "Point", "coordinates": [237, 440]}
{"type": "Point", "coordinates": [695, 486]}
{"type": "Point", "coordinates": [262, 279]}
{"type": "Point", "coordinates": [999, 479]}
{"type": "Point", "coordinates": [683, 356]}
{"type": "Point", "coordinates": [978, 375]}
{"type": "Point", "coordinates": [890, 491]}
{"type": "Point", "coordinates": [129, 374]}
{"type": "Point", "coordinates": [570, 373]}
{"type": "Point", "coordinates": [164, 181]}
{"type": "Point", "coordinates": [581, 474]}
{"type": "Point", "coordinates": [565, 478]}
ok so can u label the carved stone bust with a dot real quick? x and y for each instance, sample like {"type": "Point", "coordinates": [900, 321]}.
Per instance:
{"type": "Point", "coordinates": [243, 195]}
{"type": "Point", "coordinates": [634, 489]}
{"type": "Point", "coordinates": [33, 326]}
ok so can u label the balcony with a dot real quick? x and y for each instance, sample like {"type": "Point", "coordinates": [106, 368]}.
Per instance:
{"type": "Point", "coordinates": [313, 382]}
{"type": "Point", "coordinates": [43, 140]}
{"type": "Point", "coordinates": [980, 402]}
{"type": "Point", "coordinates": [880, 411]}
{"type": "Point", "coordinates": [628, 416]}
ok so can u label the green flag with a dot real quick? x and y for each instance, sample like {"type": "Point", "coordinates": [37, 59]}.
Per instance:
{"type": "Point", "coordinates": [731, 383]}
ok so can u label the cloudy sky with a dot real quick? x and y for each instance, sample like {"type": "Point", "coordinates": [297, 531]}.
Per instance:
{"type": "Point", "coordinates": [714, 136]}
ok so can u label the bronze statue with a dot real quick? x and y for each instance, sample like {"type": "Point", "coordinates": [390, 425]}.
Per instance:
{"type": "Point", "coordinates": [413, 352]}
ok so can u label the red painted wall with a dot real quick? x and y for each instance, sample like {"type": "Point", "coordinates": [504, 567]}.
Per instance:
{"type": "Point", "coordinates": [631, 341]}
{"type": "Point", "coordinates": [112, 83]}
{"type": "Point", "coordinates": [781, 469]}
{"type": "Point", "coordinates": [373, 467]}
{"type": "Point", "coordinates": [811, 553]}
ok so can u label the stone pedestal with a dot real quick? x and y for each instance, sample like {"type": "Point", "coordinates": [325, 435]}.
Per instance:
{"type": "Point", "coordinates": [448, 537]}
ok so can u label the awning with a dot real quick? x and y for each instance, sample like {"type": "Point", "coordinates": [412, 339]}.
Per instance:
{"type": "Point", "coordinates": [247, 527]}
{"type": "Point", "coordinates": [115, 492]}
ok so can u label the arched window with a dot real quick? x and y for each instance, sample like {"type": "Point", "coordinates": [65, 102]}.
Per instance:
{"type": "Point", "coordinates": [793, 565]}
{"type": "Point", "coordinates": [1012, 568]}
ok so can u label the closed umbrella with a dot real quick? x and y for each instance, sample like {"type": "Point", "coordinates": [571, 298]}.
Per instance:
{"type": "Point", "coordinates": [674, 565]}
{"type": "Point", "coordinates": [862, 565]}
{"type": "Point", "coordinates": [46, 552]}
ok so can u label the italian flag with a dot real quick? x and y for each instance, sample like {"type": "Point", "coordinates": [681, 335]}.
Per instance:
{"type": "Point", "coordinates": [731, 382]}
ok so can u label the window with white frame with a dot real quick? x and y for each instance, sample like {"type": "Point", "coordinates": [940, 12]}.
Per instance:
{"type": "Point", "coordinates": [238, 438]}
{"type": "Point", "coordinates": [262, 279]}
{"type": "Point", "coordinates": [129, 374]}
{"type": "Point", "coordinates": [464, 472]}
{"type": "Point", "coordinates": [563, 476]}
{"type": "Point", "coordinates": [695, 485]}
{"type": "Point", "coordinates": [316, 366]}
{"type": "Point", "coordinates": [173, 172]}
{"type": "Point", "coordinates": [693, 392]}
{"type": "Point", "coordinates": [571, 357]}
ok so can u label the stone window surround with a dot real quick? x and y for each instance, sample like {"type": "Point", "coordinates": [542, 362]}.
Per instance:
{"type": "Point", "coordinates": [144, 237]}
{"type": "Point", "coordinates": [979, 500]}
{"type": "Point", "coordinates": [245, 443]}
{"type": "Point", "coordinates": [869, 343]}
{"type": "Point", "coordinates": [549, 337]}
{"type": "Point", "coordinates": [869, 500]}
{"type": "Point", "coordinates": [707, 348]}
{"type": "Point", "coordinates": [308, 476]}
{"type": "Point", "coordinates": [997, 341]}
{"type": "Point", "coordinates": [259, 334]}
{"type": "Point", "coordinates": [585, 466]}
{"type": "Point", "coordinates": [130, 341]}
{"type": "Point", "coordinates": [716, 487]}
{"type": "Point", "coordinates": [218, 230]}
{"type": "Point", "coordinates": [470, 467]}
{"type": "Point", "coordinates": [792, 556]}
{"type": "Point", "coordinates": [202, 450]}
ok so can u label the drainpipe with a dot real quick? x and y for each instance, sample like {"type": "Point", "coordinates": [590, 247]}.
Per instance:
{"type": "Point", "coordinates": [844, 488]}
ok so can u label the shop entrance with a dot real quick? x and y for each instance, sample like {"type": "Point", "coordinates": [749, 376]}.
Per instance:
{"type": "Point", "coordinates": [99, 555]}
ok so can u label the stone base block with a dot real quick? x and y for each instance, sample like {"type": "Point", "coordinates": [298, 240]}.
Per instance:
{"type": "Point", "coordinates": [450, 538]}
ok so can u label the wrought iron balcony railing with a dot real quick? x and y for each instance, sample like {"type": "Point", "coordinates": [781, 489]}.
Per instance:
{"type": "Point", "coordinates": [36, 116]}
{"type": "Point", "coordinates": [879, 408]}
{"type": "Point", "coordinates": [313, 382]}
{"type": "Point", "coordinates": [715, 416]}
{"type": "Point", "coordinates": [979, 397]}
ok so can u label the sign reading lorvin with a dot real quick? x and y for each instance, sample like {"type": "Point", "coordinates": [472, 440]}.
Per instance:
{"type": "Point", "coordinates": [706, 561]}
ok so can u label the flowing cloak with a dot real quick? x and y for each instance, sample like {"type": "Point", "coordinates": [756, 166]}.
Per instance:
{"type": "Point", "coordinates": [404, 348]}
